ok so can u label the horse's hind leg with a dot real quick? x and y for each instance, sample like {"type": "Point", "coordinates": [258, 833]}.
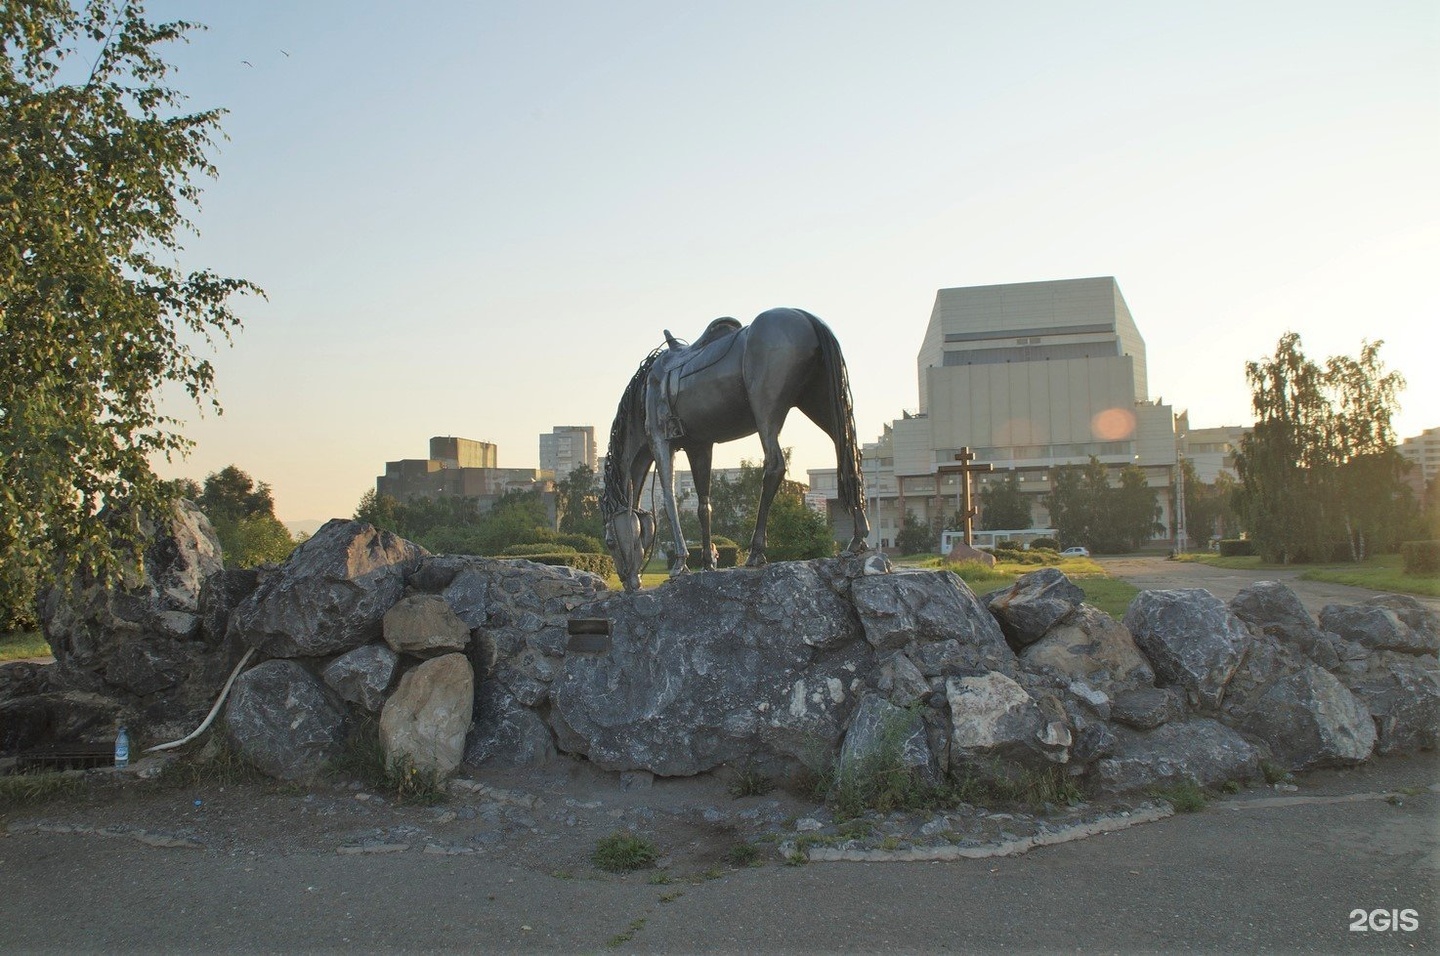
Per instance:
{"type": "Point", "coordinates": [665, 475]}
{"type": "Point", "coordinates": [700, 457]}
{"type": "Point", "coordinates": [774, 475]}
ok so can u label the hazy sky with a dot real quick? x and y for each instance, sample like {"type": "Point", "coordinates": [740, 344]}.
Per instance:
{"type": "Point", "coordinates": [475, 218]}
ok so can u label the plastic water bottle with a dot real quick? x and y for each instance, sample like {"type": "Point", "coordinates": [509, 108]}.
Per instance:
{"type": "Point", "coordinates": [122, 748]}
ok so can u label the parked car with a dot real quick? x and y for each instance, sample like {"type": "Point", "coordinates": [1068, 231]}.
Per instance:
{"type": "Point", "coordinates": [1075, 553]}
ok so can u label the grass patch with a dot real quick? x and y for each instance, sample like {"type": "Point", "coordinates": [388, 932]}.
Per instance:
{"type": "Point", "coordinates": [1035, 789]}
{"type": "Point", "coordinates": [743, 854]}
{"type": "Point", "coordinates": [1187, 797]}
{"type": "Point", "coordinates": [620, 939]}
{"type": "Point", "coordinates": [1273, 772]}
{"type": "Point", "coordinates": [22, 644]}
{"type": "Point", "coordinates": [1383, 572]}
{"type": "Point", "coordinates": [623, 852]}
{"type": "Point", "coordinates": [29, 789]}
{"type": "Point", "coordinates": [216, 762]}
{"type": "Point", "coordinates": [749, 782]}
{"type": "Point", "coordinates": [363, 759]}
{"type": "Point", "coordinates": [1110, 595]}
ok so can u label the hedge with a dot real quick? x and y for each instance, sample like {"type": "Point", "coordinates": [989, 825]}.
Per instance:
{"type": "Point", "coordinates": [1236, 547]}
{"type": "Point", "coordinates": [542, 547]}
{"type": "Point", "coordinates": [1421, 557]}
{"type": "Point", "coordinates": [729, 555]}
{"type": "Point", "coordinates": [1047, 544]}
{"type": "Point", "coordinates": [601, 564]}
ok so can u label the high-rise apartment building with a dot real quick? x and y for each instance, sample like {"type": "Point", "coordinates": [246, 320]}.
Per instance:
{"type": "Point", "coordinates": [566, 448]}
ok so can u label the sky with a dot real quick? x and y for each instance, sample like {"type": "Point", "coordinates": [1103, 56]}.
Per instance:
{"type": "Point", "coordinates": [476, 218]}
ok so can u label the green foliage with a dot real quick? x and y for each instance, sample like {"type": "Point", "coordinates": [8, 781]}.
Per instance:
{"type": "Point", "coordinates": [22, 644]}
{"type": "Point", "coordinates": [98, 167]}
{"type": "Point", "coordinates": [601, 564]}
{"type": "Point", "coordinates": [583, 543]}
{"type": "Point", "coordinates": [1236, 547]}
{"type": "Point", "coordinates": [1185, 797]}
{"type": "Point", "coordinates": [727, 555]}
{"type": "Point", "coordinates": [622, 852]}
{"type": "Point", "coordinates": [243, 516]}
{"type": "Point", "coordinates": [1003, 506]}
{"type": "Point", "coordinates": [455, 525]}
{"type": "Point", "coordinates": [795, 531]}
{"type": "Point", "coordinates": [1421, 557]}
{"type": "Point", "coordinates": [215, 762]}
{"type": "Point", "coordinates": [1087, 510]}
{"type": "Point", "coordinates": [749, 782]}
{"type": "Point", "coordinates": [31, 789]}
{"type": "Point", "coordinates": [882, 781]}
{"type": "Point", "coordinates": [743, 854]}
{"type": "Point", "coordinates": [577, 500]}
{"type": "Point", "coordinates": [1209, 508]}
{"type": "Point", "coordinates": [1319, 473]}
{"type": "Point", "coordinates": [914, 536]}
{"type": "Point", "coordinates": [414, 785]}
{"type": "Point", "coordinates": [544, 547]}
{"type": "Point", "coordinates": [1045, 544]}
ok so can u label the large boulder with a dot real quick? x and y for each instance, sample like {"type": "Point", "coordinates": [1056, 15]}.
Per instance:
{"type": "Point", "coordinates": [1090, 645]}
{"type": "Point", "coordinates": [716, 668]}
{"type": "Point", "coordinates": [1402, 693]}
{"type": "Point", "coordinates": [997, 724]}
{"type": "Point", "coordinates": [1385, 623]}
{"type": "Point", "coordinates": [1199, 750]}
{"type": "Point", "coordinates": [284, 720]}
{"type": "Point", "coordinates": [1191, 638]}
{"type": "Point", "coordinates": [424, 722]}
{"type": "Point", "coordinates": [1145, 708]}
{"type": "Point", "coordinates": [1275, 609]}
{"type": "Point", "coordinates": [1308, 719]}
{"type": "Point", "coordinates": [882, 738]}
{"type": "Point", "coordinates": [330, 595]}
{"type": "Point", "coordinates": [915, 608]}
{"type": "Point", "coordinates": [363, 676]}
{"type": "Point", "coordinates": [505, 732]}
{"type": "Point", "coordinates": [144, 641]}
{"type": "Point", "coordinates": [424, 625]}
{"type": "Point", "coordinates": [1035, 603]}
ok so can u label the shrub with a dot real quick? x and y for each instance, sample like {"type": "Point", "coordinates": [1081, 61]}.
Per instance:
{"type": "Point", "coordinates": [1045, 544]}
{"type": "Point", "coordinates": [583, 543]}
{"type": "Point", "coordinates": [1421, 557]}
{"type": "Point", "coordinates": [1236, 547]}
{"type": "Point", "coordinates": [621, 852]}
{"type": "Point", "coordinates": [541, 547]}
{"type": "Point", "coordinates": [729, 555]}
{"type": "Point", "coordinates": [600, 564]}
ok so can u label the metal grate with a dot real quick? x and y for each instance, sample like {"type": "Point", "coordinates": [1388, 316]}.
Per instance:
{"type": "Point", "coordinates": [65, 757]}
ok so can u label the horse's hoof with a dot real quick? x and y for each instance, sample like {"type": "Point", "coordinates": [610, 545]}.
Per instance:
{"type": "Point", "coordinates": [677, 571]}
{"type": "Point", "coordinates": [755, 560]}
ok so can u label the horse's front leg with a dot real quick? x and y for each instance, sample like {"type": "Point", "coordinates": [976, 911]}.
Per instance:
{"type": "Point", "coordinates": [700, 458]}
{"type": "Point", "coordinates": [665, 474]}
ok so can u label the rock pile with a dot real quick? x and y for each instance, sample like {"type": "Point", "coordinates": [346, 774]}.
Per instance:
{"type": "Point", "coordinates": [468, 659]}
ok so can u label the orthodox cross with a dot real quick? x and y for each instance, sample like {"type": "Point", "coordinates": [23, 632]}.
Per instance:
{"type": "Point", "coordinates": [965, 469]}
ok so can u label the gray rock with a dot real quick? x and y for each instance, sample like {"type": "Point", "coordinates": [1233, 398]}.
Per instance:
{"type": "Point", "coordinates": [1092, 645]}
{"type": "Point", "coordinates": [883, 737]}
{"type": "Point", "coordinates": [1383, 624]}
{"type": "Point", "coordinates": [925, 607]}
{"type": "Point", "coordinates": [142, 642]}
{"type": "Point", "coordinates": [282, 719]}
{"type": "Point", "coordinates": [506, 733]}
{"type": "Point", "coordinates": [1402, 693]}
{"type": "Point", "coordinates": [716, 668]}
{"type": "Point", "coordinates": [330, 595]}
{"type": "Point", "coordinates": [1034, 604]}
{"type": "Point", "coordinates": [427, 717]}
{"type": "Point", "coordinates": [1192, 640]}
{"type": "Point", "coordinates": [1308, 719]}
{"type": "Point", "coordinates": [994, 719]}
{"type": "Point", "coordinates": [901, 681]}
{"type": "Point", "coordinates": [423, 625]}
{"type": "Point", "coordinates": [1199, 750]}
{"type": "Point", "coordinates": [363, 676]}
{"type": "Point", "coordinates": [1145, 708]}
{"type": "Point", "coordinates": [1276, 610]}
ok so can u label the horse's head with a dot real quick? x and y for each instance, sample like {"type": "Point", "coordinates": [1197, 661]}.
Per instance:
{"type": "Point", "coordinates": [629, 535]}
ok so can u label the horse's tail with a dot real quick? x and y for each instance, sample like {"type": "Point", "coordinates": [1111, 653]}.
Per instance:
{"type": "Point", "coordinates": [842, 413]}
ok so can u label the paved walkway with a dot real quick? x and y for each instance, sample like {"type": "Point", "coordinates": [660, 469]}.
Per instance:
{"type": "Point", "coordinates": [1154, 572]}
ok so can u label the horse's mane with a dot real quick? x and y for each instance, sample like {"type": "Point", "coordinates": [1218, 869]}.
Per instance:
{"type": "Point", "coordinates": [616, 497]}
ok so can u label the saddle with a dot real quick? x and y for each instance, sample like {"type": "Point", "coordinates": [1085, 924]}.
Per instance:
{"type": "Point", "coordinates": [682, 360]}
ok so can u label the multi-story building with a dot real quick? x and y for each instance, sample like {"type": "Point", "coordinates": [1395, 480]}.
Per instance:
{"type": "Point", "coordinates": [458, 467]}
{"type": "Point", "coordinates": [1027, 376]}
{"type": "Point", "coordinates": [566, 448]}
{"type": "Point", "coordinates": [1424, 451]}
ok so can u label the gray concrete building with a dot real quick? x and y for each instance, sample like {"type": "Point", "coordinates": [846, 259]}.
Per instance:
{"type": "Point", "coordinates": [566, 448]}
{"type": "Point", "coordinates": [457, 467]}
{"type": "Point", "coordinates": [1028, 376]}
{"type": "Point", "coordinates": [1423, 451]}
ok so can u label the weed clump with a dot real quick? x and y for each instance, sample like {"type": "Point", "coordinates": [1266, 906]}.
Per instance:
{"type": "Point", "coordinates": [29, 789]}
{"type": "Point", "coordinates": [1185, 797]}
{"type": "Point", "coordinates": [623, 852]}
{"type": "Point", "coordinates": [217, 763]}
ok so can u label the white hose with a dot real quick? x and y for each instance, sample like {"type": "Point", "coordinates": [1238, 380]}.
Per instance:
{"type": "Point", "coordinates": [224, 692]}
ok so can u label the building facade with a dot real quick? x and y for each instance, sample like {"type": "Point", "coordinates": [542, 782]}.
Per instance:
{"type": "Point", "coordinates": [458, 467]}
{"type": "Point", "coordinates": [1423, 451]}
{"type": "Point", "coordinates": [1028, 376]}
{"type": "Point", "coordinates": [566, 448]}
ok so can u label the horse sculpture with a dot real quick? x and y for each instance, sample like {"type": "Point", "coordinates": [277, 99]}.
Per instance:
{"type": "Point", "coordinates": [732, 382]}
